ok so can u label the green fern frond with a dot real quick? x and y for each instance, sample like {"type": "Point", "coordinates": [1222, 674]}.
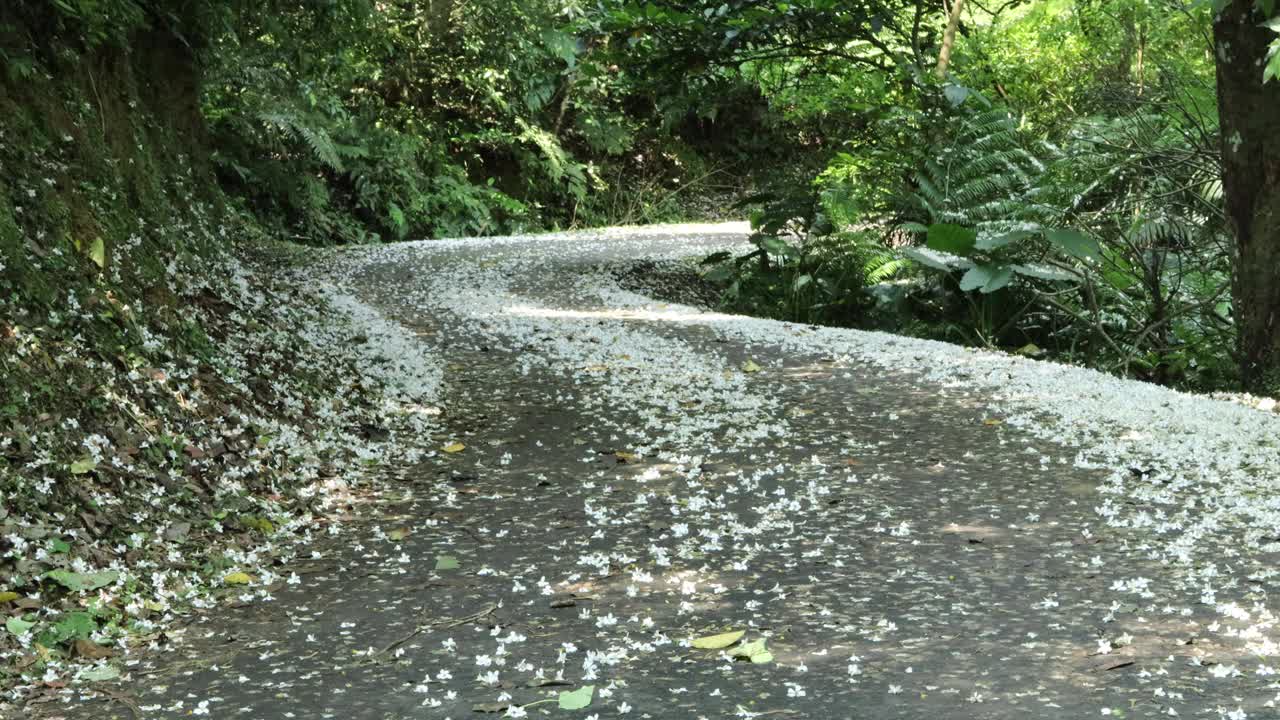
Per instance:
{"type": "Point", "coordinates": [989, 173]}
{"type": "Point", "coordinates": [315, 137]}
{"type": "Point", "coordinates": [882, 266]}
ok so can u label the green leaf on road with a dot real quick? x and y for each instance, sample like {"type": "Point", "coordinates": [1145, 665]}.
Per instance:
{"type": "Point", "coordinates": [446, 562]}
{"type": "Point", "coordinates": [577, 699]}
{"type": "Point", "coordinates": [716, 642]}
{"type": "Point", "coordinates": [754, 651]}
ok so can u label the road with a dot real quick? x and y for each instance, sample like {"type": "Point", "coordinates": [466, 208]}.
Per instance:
{"type": "Point", "coordinates": [913, 529]}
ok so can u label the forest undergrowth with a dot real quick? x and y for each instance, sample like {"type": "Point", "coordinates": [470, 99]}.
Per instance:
{"type": "Point", "coordinates": [182, 402]}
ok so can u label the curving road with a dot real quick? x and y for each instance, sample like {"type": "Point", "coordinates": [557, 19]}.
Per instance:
{"type": "Point", "coordinates": [914, 529]}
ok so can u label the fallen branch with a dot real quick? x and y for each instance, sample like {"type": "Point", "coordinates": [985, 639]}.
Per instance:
{"type": "Point", "coordinates": [442, 624]}
{"type": "Point", "coordinates": [471, 618]}
{"type": "Point", "coordinates": [753, 714]}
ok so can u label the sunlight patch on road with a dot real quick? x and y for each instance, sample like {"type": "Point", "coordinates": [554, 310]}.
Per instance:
{"type": "Point", "coordinates": [684, 315]}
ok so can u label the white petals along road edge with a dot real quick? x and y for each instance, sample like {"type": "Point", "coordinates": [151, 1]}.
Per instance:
{"type": "Point", "coordinates": [1197, 477]}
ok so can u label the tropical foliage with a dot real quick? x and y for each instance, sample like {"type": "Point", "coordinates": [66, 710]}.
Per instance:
{"type": "Point", "coordinates": [1053, 188]}
{"type": "Point", "coordinates": [1043, 176]}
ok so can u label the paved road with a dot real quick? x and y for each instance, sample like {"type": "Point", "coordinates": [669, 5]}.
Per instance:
{"type": "Point", "coordinates": [908, 541]}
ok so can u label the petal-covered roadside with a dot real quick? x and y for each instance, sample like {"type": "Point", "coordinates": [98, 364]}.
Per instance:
{"type": "Point", "coordinates": [644, 509]}
{"type": "Point", "coordinates": [222, 470]}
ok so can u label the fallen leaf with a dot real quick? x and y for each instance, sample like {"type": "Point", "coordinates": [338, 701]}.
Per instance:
{"type": "Point", "coordinates": [253, 522]}
{"type": "Point", "coordinates": [992, 421]}
{"type": "Point", "coordinates": [83, 582]}
{"type": "Point", "coordinates": [81, 467]}
{"type": "Point", "coordinates": [626, 456]}
{"type": "Point", "coordinates": [17, 626]}
{"type": "Point", "coordinates": [577, 699]}
{"type": "Point", "coordinates": [750, 366]}
{"type": "Point", "coordinates": [452, 448]}
{"type": "Point", "coordinates": [238, 578]}
{"type": "Point", "coordinates": [446, 562]}
{"type": "Point", "coordinates": [398, 534]}
{"type": "Point", "coordinates": [754, 651]}
{"type": "Point", "coordinates": [74, 625]}
{"type": "Point", "coordinates": [98, 252]}
{"type": "Point", "coordinates": [716, 642]}
{"type": "Point", "coordinates": [8, 597]}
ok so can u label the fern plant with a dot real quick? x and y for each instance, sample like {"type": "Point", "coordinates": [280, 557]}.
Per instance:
{"type": "Point", "coordinates": [881, 265]}
{"type": "Point", "coordinates": [987, 176]}
{"type": "Point", "coordinates": [310, 130]}
{"type": "Point", "coordinates": [982, 206]}
{"type": "Point", "coordinates": [1149, 182]}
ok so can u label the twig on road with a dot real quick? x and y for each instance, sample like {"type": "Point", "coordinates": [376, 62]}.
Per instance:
{"type": "Point", "coordinates": [444, 625]}
{"type": "Point", "coordinates": [753, 714]}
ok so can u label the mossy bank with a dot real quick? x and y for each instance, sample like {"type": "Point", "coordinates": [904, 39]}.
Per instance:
{"type": "Point", "coordinates": [176, 404]}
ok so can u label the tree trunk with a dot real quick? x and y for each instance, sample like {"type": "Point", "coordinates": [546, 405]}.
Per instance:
{"type": "Point", "coordinates": [948, 39]}
{"type": "Point", "coordinates": [1250, 130]}
{"type": "Point", "coordinates": [1140, 69]}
